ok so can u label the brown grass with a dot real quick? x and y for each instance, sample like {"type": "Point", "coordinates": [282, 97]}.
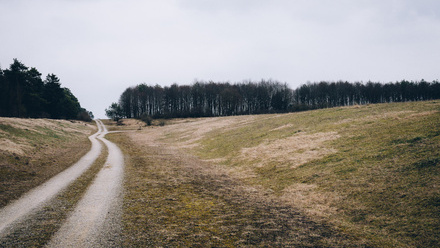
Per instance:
{"type": "Point", "coordinates": [292, 151]}
{"type": "Point", "coordinates": [368, 175]}
{"type": "Point", "coordinates": [9, 146]}
{"type": "Point", "coordinates": [316, 203]}
{"type": "Point", "coordinates": [177, 200]}
{"type": "Point", "coordinates": [34, 150]}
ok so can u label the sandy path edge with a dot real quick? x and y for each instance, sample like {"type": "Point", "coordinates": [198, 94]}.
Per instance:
{"type": "Point", "coordinates": [95, 221]}
{"type": "Point", "coordinates": [36, 198]}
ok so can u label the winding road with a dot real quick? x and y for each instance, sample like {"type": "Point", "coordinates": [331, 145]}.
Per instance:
{"type": "Point", "coordinates": [95, 221]}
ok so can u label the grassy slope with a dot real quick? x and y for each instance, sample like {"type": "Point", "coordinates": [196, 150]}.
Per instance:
{"type": "Point", "coordinates": [34, 150]}
{"type": "Point", "coordinates": [176, 200]}
{"type": "Point", "coordinates": [370, 172]}
{"type": "Point", "coordinates": [381, 183]}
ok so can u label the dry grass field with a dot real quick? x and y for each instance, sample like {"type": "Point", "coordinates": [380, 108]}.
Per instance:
{"type": "Point", "coordinates": [34, 150]}
{"type": "Point", "coordinates": [351, 176]}
{"type": "Point", "coordinates": [361, 176]}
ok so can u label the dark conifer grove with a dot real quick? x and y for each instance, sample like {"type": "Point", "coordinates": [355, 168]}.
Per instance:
{"type": "Point", "coordinates": [24, 94]}
{"type": "Point", "coordinates": [209, 99]}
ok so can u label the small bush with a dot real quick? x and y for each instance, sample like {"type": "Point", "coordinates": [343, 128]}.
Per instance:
{"type": "Point", "coordinates": [147, 119]}
{"type": "Point", "coordinates": [84, 116]}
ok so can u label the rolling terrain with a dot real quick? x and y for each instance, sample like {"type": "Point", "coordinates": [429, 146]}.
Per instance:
{"type": "Point", "coordinates": [350, 176]}
{"type": "Point", "coordinates": [340, 177]}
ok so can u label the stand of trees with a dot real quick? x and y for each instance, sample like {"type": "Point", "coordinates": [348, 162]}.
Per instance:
{"type": "Point", "coordinates": [24, 94]}
{"type": "Point", "coordinates": [208, 99]}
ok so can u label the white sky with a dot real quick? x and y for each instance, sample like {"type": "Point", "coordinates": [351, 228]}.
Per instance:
{"type": "Point", "coordinates": [98, 48]}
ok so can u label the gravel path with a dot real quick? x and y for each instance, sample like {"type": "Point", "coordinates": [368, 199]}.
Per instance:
{"type": "Point", "coordinates": [95, 222]}
{"type": "Point", "coordinates": [18, 210]}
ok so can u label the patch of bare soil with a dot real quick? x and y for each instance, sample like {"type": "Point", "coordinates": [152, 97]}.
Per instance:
{"type": "Point", "coordinates": [177, 200]}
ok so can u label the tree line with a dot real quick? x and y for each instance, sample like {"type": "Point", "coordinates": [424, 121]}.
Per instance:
{"type": "Point", "coordinates": [24, 94]}
{"type": "Point", "coordinates": [209, 99]}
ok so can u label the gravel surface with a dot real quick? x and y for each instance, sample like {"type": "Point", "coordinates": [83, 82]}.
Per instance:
{"type": "Point", "coordinates": [17, 211]}
{"type": "Point", "coordinates": [95, 222]}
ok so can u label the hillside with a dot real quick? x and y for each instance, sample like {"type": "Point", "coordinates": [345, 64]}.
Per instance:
{"type": "Point", "coordinates": [361, 175]}
{"type": "Point", "coordinates": [34, 150]}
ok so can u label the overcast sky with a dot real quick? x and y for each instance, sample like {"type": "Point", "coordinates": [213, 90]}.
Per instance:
{"type": "Point", "coordinates": [98, 48]}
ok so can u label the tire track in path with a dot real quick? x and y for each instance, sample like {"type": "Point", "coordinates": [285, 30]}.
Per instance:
{"type": "Point", "coordinates": [17, 211]}
{"type": "Point", "coordinates": [95, 222]}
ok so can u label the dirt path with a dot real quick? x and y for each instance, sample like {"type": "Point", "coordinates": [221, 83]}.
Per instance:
{"type": "Point", "coordinates": [35, 199]}
{"type": "Point", "coordinates": [95, 222]}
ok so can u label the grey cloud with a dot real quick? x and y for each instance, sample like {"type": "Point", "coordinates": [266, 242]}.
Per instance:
{"type": "Point", "coordinates": [110, 45]}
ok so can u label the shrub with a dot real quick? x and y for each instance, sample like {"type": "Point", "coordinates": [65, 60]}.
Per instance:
{"type": "Point", "coordinates": [147, 119]}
